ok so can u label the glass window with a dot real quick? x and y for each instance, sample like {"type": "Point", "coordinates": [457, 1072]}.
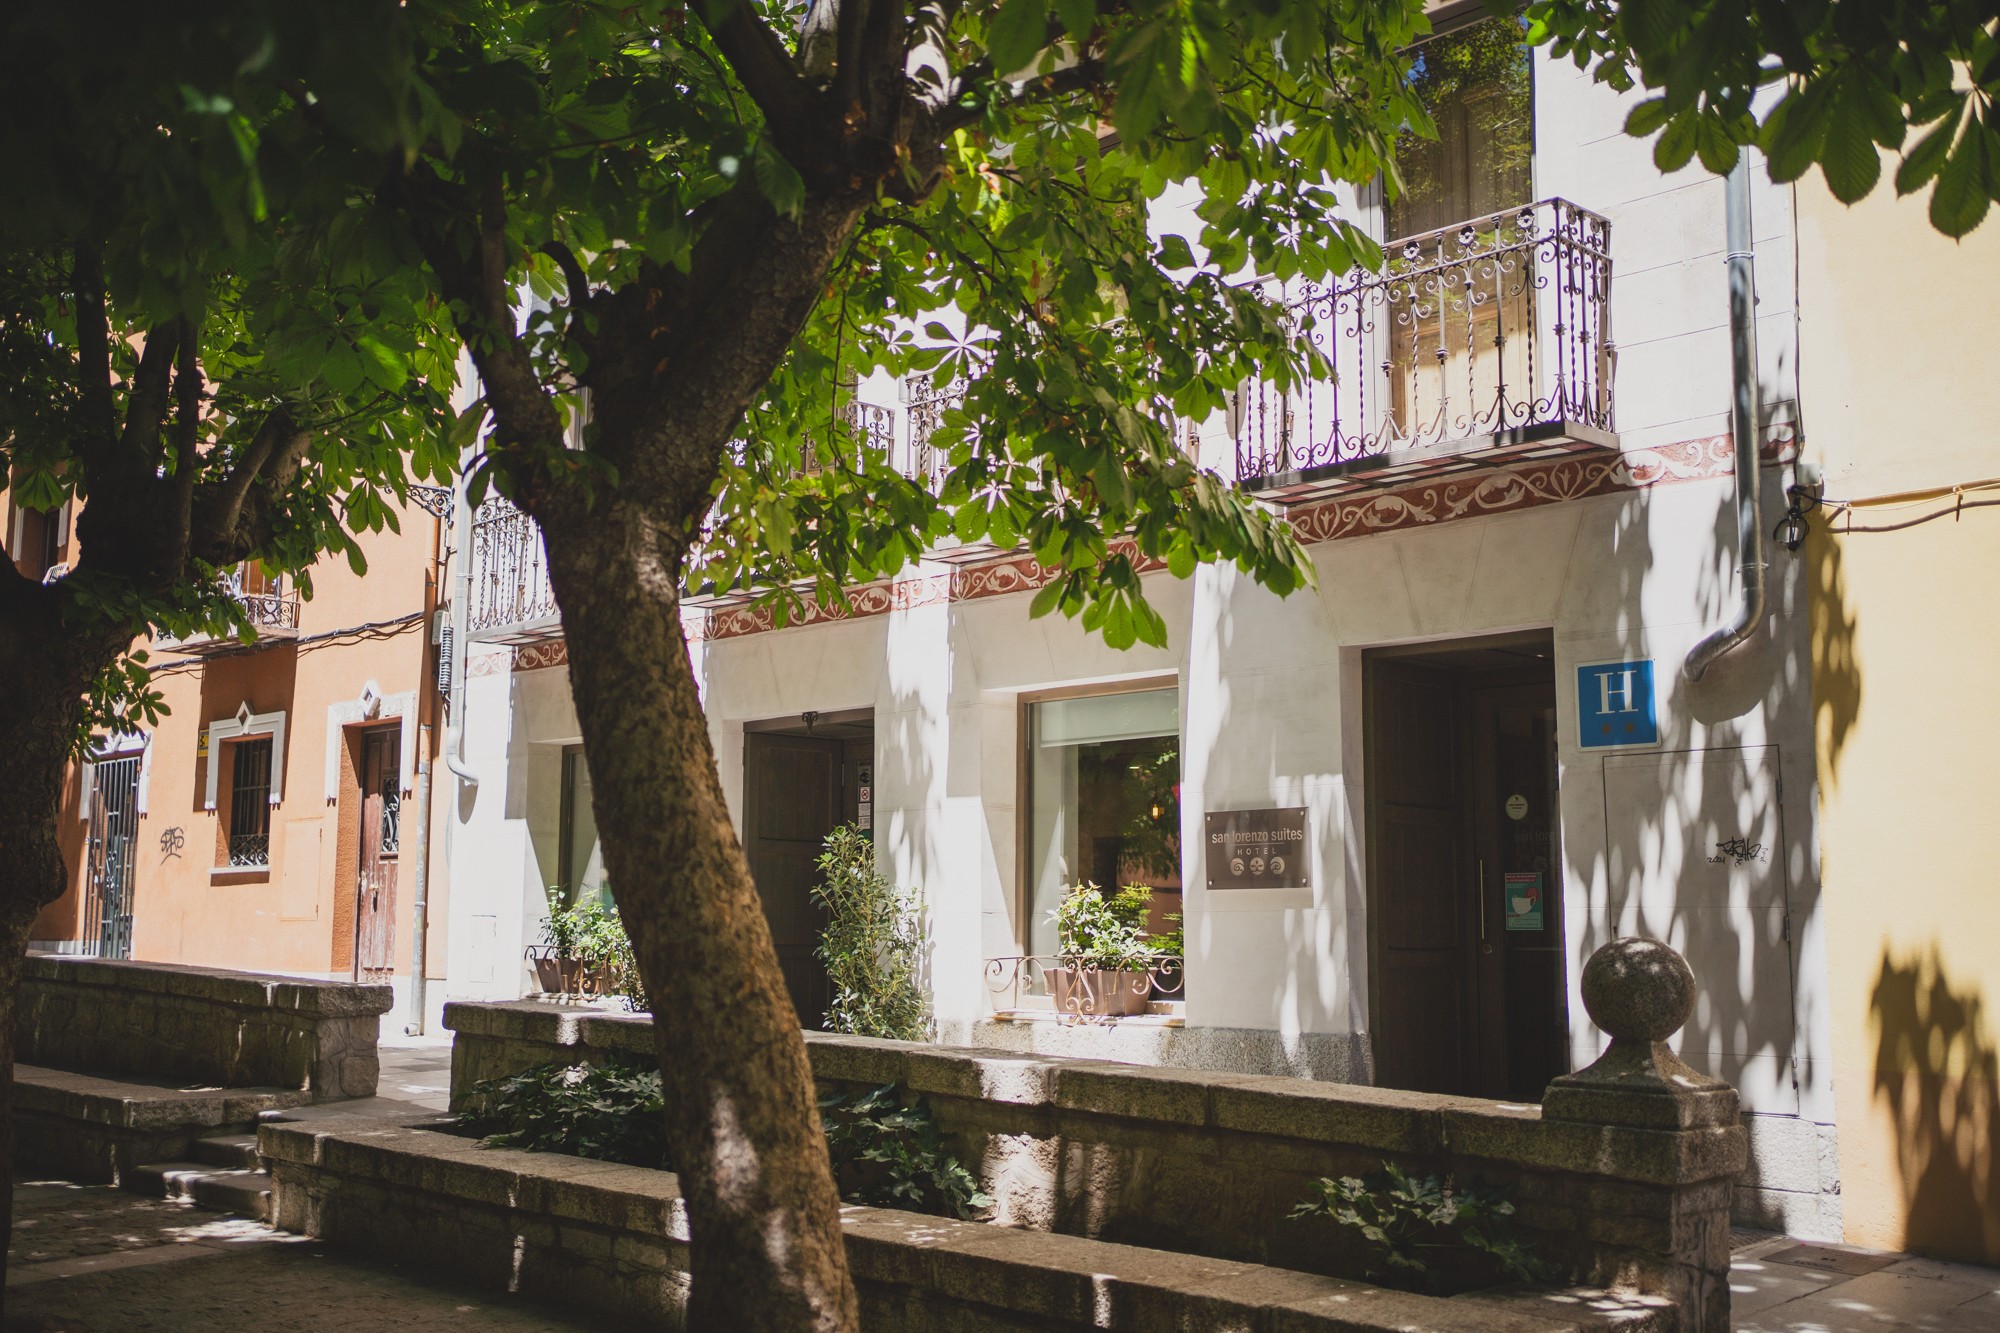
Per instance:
{"type": "Point", "coordinates": [1475, 82]}
{"type": "Point", "coordinates": [582, 857]}
{"type": "Point", "coordinates": [1104, 794]}
{"type": "Point", "coordinates": [250, 802]}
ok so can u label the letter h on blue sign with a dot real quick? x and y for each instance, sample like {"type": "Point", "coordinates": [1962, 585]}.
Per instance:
{"type": "Point", "coordinates": [1614, 705]}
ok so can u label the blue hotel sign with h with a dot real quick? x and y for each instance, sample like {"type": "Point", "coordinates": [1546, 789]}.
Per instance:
{"type": "Point", "coordinates": [1615, 705]}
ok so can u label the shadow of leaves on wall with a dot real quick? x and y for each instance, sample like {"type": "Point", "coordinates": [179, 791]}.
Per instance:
{"type": "Point", "coordinates": [1938, 1072]}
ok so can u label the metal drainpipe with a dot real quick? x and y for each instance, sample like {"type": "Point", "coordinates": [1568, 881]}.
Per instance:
{"type": "Point", "coordinates": [461, 610]}
{"type": "Point", "coordinates": [1745, 415]}
{"type": "Point", "coordinates": [420, 891]}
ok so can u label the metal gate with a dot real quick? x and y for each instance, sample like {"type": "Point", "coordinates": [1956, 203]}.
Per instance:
{"type": "Point", "coordinates": [110, 855]}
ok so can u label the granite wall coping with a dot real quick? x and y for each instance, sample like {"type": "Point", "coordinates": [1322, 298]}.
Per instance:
{"type": "Point", "coordinates": [248, 990]}
{"type": "Point", "coordinates": [1386, 1120]}
{"type": "Point", "coordinates": [1031, 1278]}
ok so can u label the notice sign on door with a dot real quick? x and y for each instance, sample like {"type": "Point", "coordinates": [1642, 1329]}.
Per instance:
{"type": "Point", "coordinates": [1524, 900]}
{"type": "Point", "coordinates": [1257, 849]}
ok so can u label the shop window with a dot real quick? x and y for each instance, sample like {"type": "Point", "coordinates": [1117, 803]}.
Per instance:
{"type": "Point", "coordinates": [1104, 780]}
{"type": "Point", "coordinates": [581, 854]}
{"type": "Point", "coordinates": [250, 803]}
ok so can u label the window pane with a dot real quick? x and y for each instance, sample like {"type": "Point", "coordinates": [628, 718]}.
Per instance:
{"type": "Point", "coordinates": [1475, 83]}
{"type": "Point", "coordinates": [1104, 794]}
{"type": "Point", "coordinates": [583, 869]}
{"type": "Point", "coordinates": [250, 802]}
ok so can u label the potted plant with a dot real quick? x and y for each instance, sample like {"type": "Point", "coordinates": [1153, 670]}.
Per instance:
{"type": "Point", "coordinates": [558, 968]}
{"type": "Point", "coordinates": [584, 950]}
{"type": "Point", "coordinates": [1104, 961]}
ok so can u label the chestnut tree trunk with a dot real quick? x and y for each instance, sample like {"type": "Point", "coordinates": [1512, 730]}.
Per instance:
{"type": "Point", "coordinates": [671, 372]}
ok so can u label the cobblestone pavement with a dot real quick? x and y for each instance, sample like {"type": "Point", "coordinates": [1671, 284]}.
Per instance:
{"type": "Point", "coordinates": [92, 1259]}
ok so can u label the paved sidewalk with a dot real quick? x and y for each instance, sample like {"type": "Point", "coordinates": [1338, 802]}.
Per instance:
{"type": "Point", "coordinates": [1782, 1286]}
{"type": "Point", "coordinates": [92, 1259]}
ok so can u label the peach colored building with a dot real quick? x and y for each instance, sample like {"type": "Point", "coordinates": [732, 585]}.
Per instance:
{"type": "Point", "coordinates": [277, 818]}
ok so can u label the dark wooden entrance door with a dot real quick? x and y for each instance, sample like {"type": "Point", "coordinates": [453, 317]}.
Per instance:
{"type": "Point", "coordinates": [792, 799]}
{"type": "Point", "coordinates": [1466, 940]}
{"type": "Point", "coordinates": [375, 886]}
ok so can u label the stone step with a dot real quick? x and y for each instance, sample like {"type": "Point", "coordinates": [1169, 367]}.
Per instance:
{"type": "Point", "coordinates": [245, 1193]}
{"type": "Point", "coordinates": [234, 1151]}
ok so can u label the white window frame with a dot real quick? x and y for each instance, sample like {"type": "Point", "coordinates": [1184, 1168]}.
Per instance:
{"type": "Point", "coordinates": [371, 705]}
{"type": "Point", "coordinates": [245, 724]}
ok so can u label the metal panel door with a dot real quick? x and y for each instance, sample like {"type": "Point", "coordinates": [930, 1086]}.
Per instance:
{"type": "Point", "coordinates": [109, 857]}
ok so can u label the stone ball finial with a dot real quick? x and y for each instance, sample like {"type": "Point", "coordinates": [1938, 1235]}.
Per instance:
{"type": "Point", "coordinates": [1638, 989]}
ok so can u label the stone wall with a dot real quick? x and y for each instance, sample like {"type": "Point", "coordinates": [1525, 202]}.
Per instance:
{"type": "Point", "coordinates": [200, 1025]}
{"type": "Point", "coordinates": [1210, 1164]}
{"type": "Point", "coordinates": [612, 1240]}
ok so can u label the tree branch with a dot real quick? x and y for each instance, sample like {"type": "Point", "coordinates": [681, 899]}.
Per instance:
{"type": "Point", "coordinates": [93, 346]}
{"type": "Point", "coordinates": [1084, 75]}
{"type": "Point", "coordinates": [222, 504]}
{"type": "Point", "coordinates": [763, 66]}
{"type": "Point", "coordinates": [187, 431]}
{"type": "Point", "coordinates": [146, 404]}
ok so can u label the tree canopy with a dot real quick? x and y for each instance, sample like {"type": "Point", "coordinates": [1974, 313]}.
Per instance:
{"type": "Point", "coordinates": [204, 343]}
{"type": "Point", "coordinates": [1827, 82]}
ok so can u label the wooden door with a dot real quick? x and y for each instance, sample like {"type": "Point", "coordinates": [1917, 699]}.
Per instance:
{"type": "Point", "coordinates": [375, 889]}
{"type": "Point", "coordinates": [1465, 880]}
{"type": "Point", "coordinates": [792, 800]}
{"type": "Point", "coordinates": [1524, 1011]}
{"type": "Point", "coordinates": [1421, 935]}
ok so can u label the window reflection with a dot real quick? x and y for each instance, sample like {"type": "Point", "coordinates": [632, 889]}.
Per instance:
{"type": "Point", "coordinates": [1104, 796]}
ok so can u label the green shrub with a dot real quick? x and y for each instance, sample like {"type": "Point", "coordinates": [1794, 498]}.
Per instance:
{"type": "Point", "coordinates": [613, 1111]}
{"type": "Point", "coordinates": [592, 931]}
{"type": "Point", "coordinates": [1435, 1234]}
{"type": "Point", "coordinates": [873, 944]}
{"type": "Point", "coordinates": [888, 1153]}
{"type": "Point", "coordinates": [1096, 929]}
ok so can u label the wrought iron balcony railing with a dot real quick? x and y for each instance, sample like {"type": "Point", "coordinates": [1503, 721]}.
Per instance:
{"type": "Point", "coordinates": [271, 608]}
{"type": "Point", "coordinates": [1025, 983]}
{"type": "Point", "coordinates": [1490, 335]}
{"type": "Point", "coordinates": [511, 596]}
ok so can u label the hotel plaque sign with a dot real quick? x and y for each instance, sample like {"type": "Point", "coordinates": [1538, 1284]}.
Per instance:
{"type": "Point", "coordinates": [1257, 849]}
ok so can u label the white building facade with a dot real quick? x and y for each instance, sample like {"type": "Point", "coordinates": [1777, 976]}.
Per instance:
{"type": "Point", "coordinates": [1476, 726]}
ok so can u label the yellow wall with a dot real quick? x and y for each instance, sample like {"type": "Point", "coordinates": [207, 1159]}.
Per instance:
{"type": "Point", "coordinates": [298, 915]}
{"type": "Point", "coordinates": [1900, 388]}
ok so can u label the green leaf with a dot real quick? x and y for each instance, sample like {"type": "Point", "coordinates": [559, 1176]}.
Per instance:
{"type": "Point", "coordinates": [1849, 157]}
{"type": "Point", "coordinates": [1961, 196]}
{"type": "Point", "coordinates": [1676, 144]}
{"type": "Point", "coordinates": [1795, 133]}
{"type": "Point", "coordinates": [778, 179]}
{"type": "Point", "coordinates": [1926, 159]}
{"type": "Point", "coordinates": [1017, 34]}
{"type": "Point", "coordinates": [1078, 16]}
{"type": "Point", "coordinates": [1718, 151]}
{"type": "Point", "coordinates": [1647, 117]}
{"type": "Point", "coordinates": [386, 368]}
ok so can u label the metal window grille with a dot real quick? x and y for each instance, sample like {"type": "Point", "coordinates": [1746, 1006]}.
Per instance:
{"type": "Point", "coordinates": [110, 856]}
{"type": "Point", "coordinates": [250, 803]}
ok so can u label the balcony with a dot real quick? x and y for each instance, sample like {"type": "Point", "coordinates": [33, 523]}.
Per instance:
{"type": "Point", "coordinates": [512, 601]}
{"type": "Point", "coordinates": [269, 606]}
{"type": "Point", "coordinates": [1477, 345]}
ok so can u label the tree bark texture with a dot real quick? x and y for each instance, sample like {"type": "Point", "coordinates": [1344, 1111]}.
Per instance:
{"type": "Point", "coordinates": [43, 676]}
{"type": "Point", "coordinates": [743, 1125]}
{"type": "Point", "coordinates": [743, 1121]}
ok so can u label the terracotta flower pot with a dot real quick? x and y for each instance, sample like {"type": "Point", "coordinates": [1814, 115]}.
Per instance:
{"type": "Point", "coordinates": [1100, 992]}
{"type": "Point", "coordinates": [548, 975]}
